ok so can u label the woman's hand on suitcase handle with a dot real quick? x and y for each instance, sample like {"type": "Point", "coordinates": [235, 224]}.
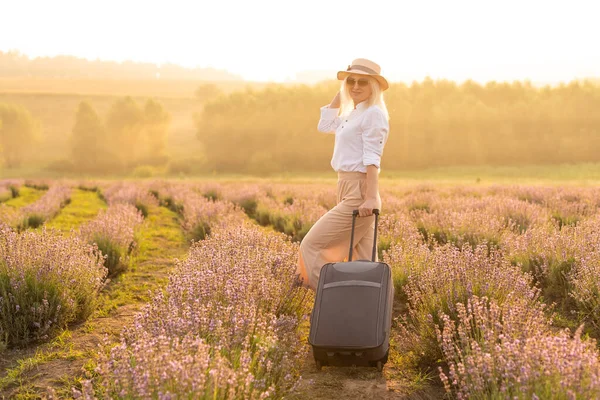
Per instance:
{"type": "Point", "coordinates": [366, 208]}
{"type": "Point", "coordinates": [375, 212]}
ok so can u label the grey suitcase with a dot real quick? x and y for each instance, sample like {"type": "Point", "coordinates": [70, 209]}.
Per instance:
{"type": "Point", "coordinates": [352, 315]}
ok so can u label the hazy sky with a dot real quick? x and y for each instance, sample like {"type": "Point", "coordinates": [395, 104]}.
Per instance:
{"type": "Point", "coordinates": [544, 41]}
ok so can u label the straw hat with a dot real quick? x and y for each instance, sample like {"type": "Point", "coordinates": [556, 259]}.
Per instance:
{"type": "Point", "coordinates": [362, 66]}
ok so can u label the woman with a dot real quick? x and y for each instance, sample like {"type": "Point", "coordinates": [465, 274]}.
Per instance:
{"type": "Point", "coordinates": [358, 117]}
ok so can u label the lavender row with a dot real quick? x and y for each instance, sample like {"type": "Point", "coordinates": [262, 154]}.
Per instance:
{"type": "Point", "coordinates": [229, 314]}
{"type": "Point", "coordinates": [283, 207]}
{"type": "Point", "coordinates": [9, 188]}
{"type": "Point", "coordinates": [200, 213]}
{"type": "Point", "coordinates": [34, 215]}
{"type": "Point", "coordinates": [519, 356]}
{"type": "Point", "coordinates": [47, 281]}
{"type": "Point", "coordinates": [9, 216]}
{"type": "Point", "coordinates": [135, 194]}
{"type": "Point", "coordinates": [294, 217]}
{"type": "Point", "coordinates": [483, 317]}
{"type": "Point", "coordinates": [46, 207]}
{"type": "Point", "coordinates": [507, 350]}
{"type": "Point", "coordinates": [113, 232]}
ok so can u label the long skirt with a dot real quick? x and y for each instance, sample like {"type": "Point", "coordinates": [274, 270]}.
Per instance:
{"type": "Point", "coordinates": [329, 238]}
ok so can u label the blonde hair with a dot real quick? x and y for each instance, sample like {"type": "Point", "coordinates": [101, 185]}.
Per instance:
{"type": "Point", "coordinates": [347, 104]}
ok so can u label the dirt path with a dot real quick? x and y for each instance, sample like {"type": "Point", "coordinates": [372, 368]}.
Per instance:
{"type": "Point", "coordinates": [396, 381]}
{"type": "Point", "coordinates": [67, 359]}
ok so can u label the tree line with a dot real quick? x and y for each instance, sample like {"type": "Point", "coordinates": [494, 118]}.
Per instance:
{"type": "Point", "coordinates": [273, 130]}
{"type": "Point", "coordinates": [432, 124]}
{"type": "Point", "coordinates": [16, 64]}
{"type": "Point", "coordinates": [131, 135]}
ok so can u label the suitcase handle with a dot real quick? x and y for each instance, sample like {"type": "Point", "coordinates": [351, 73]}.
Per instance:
{"type": "Point", "coordinates": [354, 215]}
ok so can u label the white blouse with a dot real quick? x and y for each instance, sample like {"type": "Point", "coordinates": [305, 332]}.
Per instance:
{"type": "Point", "coordinates": [359, 136]}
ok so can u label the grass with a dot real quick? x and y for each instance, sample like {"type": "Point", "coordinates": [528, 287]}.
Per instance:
{"type": "Point", "coordinates": [27, 196]}
{"type": "Point", "coordinates": [581, 173]}
{"type": "Point", "coordinates": [160, 239]}
{"type": "Point", "coordinates": [15, 375]}
{"type": "Point", "coordinates": [83, 207]}
{"type": "Point", "coordinates": [557, 174]}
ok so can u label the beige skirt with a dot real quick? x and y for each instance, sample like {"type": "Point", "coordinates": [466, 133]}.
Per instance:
{"type": "Point", "coordinates": [329, 238]}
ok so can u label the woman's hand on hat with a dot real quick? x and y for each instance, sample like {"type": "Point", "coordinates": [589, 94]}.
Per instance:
{"type": "Point", "coordinates": [336, 102]}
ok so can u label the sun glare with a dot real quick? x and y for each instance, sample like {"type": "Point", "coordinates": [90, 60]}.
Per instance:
{"type": "Point", "coordinates": [274, 40]}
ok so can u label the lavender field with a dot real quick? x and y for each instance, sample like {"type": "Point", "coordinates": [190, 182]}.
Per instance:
{"type": "Point", "coordinates": [162, 289]}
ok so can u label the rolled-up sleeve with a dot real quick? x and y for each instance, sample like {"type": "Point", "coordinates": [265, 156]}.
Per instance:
{"type": "Point", "coordinates": [329, 120]}
{"type": "Point", "coordinates": [375, 134]}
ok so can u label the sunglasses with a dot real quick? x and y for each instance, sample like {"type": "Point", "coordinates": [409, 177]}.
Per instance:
{"type": "Point", "coordinates": [361, 82]}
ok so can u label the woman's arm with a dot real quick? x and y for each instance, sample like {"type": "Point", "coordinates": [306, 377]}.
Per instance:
{"type": "Point", "coordinates": [329, 120]}
{"type": "Point", "coordinates": [372, 198]}
{"type": "Point", "coordinates": [376, 129]}
{"type": "Point", "coordinates": [336, 102]}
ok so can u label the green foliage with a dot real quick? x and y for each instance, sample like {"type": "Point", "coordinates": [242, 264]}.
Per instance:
{"type": "Point", "coordinates": [19, 131]}
{"type": "Point", "coordinates": [268, 131]}
{"type": "Point", "coordinates": [130, 137]}
{"type": "Point", "coordinates": [291, 224]}
{"type": "Point", "coordinates": [89, 145]}
{"type": "Point", "coordinates": [200, 231]}
{"type": "Point", "coordinates": [564, 220]}
{"type": "Point", "coordinates": [124, 123]}
{"type": "Point", "coordinates": [517, 222]}
{"type": "Point", "coordinates": [31, 221]}
{"type": "Point", "coordinates": [112, 253]}
{"type": "Point", "coordinates": [26, 307]}
{"type": "Point", "coordinates": [432, 124]}
{"type": "Point", "coordinates": [438, 236]}
{"type": "Point", "coordinates": [420, 207]}
{"type": "Point", "coordinates": [179, 167]}
{"type": "Point", "coordinates": [207, 91]}
{"type": "Point", "coordinates": [144, 171]}
{"type": "Point", "coordinates": [249, 206]}
{"type": "Point", "coordinates": [62, 166]}
{"type": "Point", "coordinates": [86, 188]}
{"type": "Point", "coordinates": [551, 276]}
{"type": "Point", "coordinates": [172, 205]}
{"type": "Point", "coordinates": [36, 185]}
{"type": "Point", "coordinates": [156, 128]}
{"type": "Point", "coordinates": [143, 208]}
{"type": "Point", "coordinates": [212, 195]}
{"type": "Point", "coordinates": [187, 166]}
{"type": "Point", "coordinates": [383, 245]}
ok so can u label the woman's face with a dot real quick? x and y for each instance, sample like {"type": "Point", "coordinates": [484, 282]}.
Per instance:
{"type": "Point", "coordinates": [359, 87]}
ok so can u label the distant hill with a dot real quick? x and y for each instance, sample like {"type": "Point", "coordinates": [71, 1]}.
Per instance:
{"type": "Point", "coordinates": [14, 64]}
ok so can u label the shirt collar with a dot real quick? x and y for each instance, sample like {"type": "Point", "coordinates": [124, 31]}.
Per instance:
{"type": "Point", "coordinates": [362, 106]}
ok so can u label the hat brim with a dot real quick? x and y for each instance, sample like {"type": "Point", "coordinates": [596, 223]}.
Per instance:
{"type": "Point", "coordinates": [383, 83]}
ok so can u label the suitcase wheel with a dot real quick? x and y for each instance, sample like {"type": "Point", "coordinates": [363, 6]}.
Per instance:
{"type": "Point", "coordinates": [319, 364]}
{"type": "Point", "coordinates": [377, 364]}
